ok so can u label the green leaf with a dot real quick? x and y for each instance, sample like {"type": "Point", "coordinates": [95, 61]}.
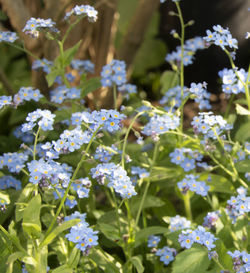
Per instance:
{"type": "Point", "coordinates": [143, 234]}
{"type": "Point", "coordinates": [241, 110]}
{"type": "Point", "coordinates": [105, 261]}
{"type": "Point", "coordinates": [137, 262]}
{"type": "Point", "coordinates": [243, 166]}
{"type": "Point", "coordinates": [69, 54]}
{"type": "Point", "coordinates": [169, 79]}
{"type": "Point", "coordinates": [31, 217]}
{"type": "Point", "coordinates": [90, 86]}
{"type": "Point", "coordinates": [74, 258]}
{"type": "Point", "coordinates": [4, 197]}
{"type": "Point", "coordinates": [224, 258]}
{"type": "Point", "coordinates": [53, 74]}
{"type": "Point", "coordinates": [29, 260]}
{"type": "Point", "coordinates": [243, 133]}
{"type": "Point", "coordinates": [110, 231]}
{"type": "Point", "coordinates": [63, 269]}
{"type": "Point", "coordinates": [55, 232]}
{"type": "Point", "coordinates": [23, 198]}
{"type": "Point", "coordinates": [217, 183]}
{"type": "Point", "coordinates": [160, 173]}
{"type": "Point", "coordinates": [150, 201]}
{"type": "Point", "coordinates": [193, 260]}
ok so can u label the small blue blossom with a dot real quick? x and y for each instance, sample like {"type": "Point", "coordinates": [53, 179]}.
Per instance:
{"type": "Point", "coordinates": [9, 181]}
{"type": "Point", "coordinates": [153, 240]}
{"type": "Point", "coordinates": [211, 126]}
{"type": "Point", "coordinates": [42, 118]}
{"type": "Point", "coordinates": [158, 125]}
{"type": "Point", "coordinates": [83, 66]}
{"type": "Point", "coordinates": [166, 254]}
{"type": "Point", "coordinates": [221, 37]}
{"type": "Point", "coordinates": [210, 219]}
{"type": "Point", "coordinates": [141, 172]}
{"type": "Point", "coordinates": [117, 178]}
{"type": "Point", "coordinates": [27, 94]}
{"type": "Point", "coordinates": [8, 36]}
{"type": "Point", "coordinates": [178, 223]}
{"type": "Point", "coordinates": [114, 73]}
{"type": "Point", "coordinates": [44, 64]}
{"type": "Point", "coordinates": [5, 100]}
{"type": "Point", "coordinates": [199, 235]}
{"type": "Point", "coordinates": [190, 183]}
{"type": "Point", "coordinates": [190, 47]}
{"type": "Point", "coordinates": [34, 26]}
{"type": "Point", "coordinates": [81, 234]}
{"type": "Point", "coordinates": [87, 10]}
{"type": "Point", "coordinates": [201, 95]}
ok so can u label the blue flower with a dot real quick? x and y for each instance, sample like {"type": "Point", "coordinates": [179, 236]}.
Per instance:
{"type": "Point", "coordinates": [153, 240]}
{"type": "Point", "coordinates": [5, 100]}
{"type": "Point", "coordinates": [8, 36]}
{"type": "Point", "coordinates": [178, 223]}
{"type": "Point", "coordinates": [87, 10]}
{"type": "Point", "coordinates": [114, 73]}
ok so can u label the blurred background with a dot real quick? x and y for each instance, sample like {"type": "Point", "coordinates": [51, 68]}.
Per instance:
{"type": "Point", "coordinates": [136, 31]}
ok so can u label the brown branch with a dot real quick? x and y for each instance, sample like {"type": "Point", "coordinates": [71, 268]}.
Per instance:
{"type": "Point", "coordinates": [137, 28]}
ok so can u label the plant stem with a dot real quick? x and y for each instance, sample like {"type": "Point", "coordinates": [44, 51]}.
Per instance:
{"type": "Point", "coordinates": [35, 143]}
{"type": "Point", "coordinates": [147, 184]}
{"type": "Point", "coordinates": [126, 137]}
{"type": "Point", "coordinates": [187, 205]}
{"type": "Point", "coordinates": [182, 39]}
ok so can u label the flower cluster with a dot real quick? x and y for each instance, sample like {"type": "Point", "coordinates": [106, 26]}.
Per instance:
{"type": "Point", "coordinates": [27, 94]}
{"type": "Point", "coordinates": [232, 80]}
{"type": "Point", "coordinates": [127, 89]}
{"type": "Point", "coordinates": [109, 120]}
{"type": "Point", "coordinates": [81, 234]}
{"type": "Point", "coordinates": [186, 158]}
{"type": "Point", "coordinates": [114, 73]}
{"type": "Point", "coordinates": [199, 235]}
{"type": "Point", "coordinates": [9, 181]}
{"type": "Point", "coordinates": [34, 26]}
{"type": "Point", "coordinates": [210, 219]}
{"type": "Point", "coordinates": [117, 178]}
{"type": "Point", "coordinates": [81, 186]}
{"type": "Point", "coordinates": [13, 161]}
{"type": "Point", "coordinates": [8, 36]}
{"type": "Point", "coordinates": [172, 97]}
{"type": "Point", "coordinates": [166, 254]}
{"type": "Point", "coordinates": [178, 223]}
{"type": "Point", "coordinates": [239, 205]}
{"type": "Point", "coordinates": [45, 117]}
{"type": "Point", "coordinates": [241, 261]}
{"type": "Point", "coordinates": [190, 47]}
{"type": "Point", "coordinates": [70, 140]}
{"type": "Point", "coordinates": [190, 183]}
{"type": "Point", "coordinates": [44, 64]}
{"type": "Point", "coordinates": [83, 66]}
{"type": "Point", "coordinates": [221, 37]}
{"type": "Point", "coordinates": [62, 93]}
{"type": "Point", "coordinates": [42, 171]}
{"type": "Point", "coordinates": [105, 154]}
{"type": "Point", "coordinates": [141, 172]}
{"type": "Point", "coordinates": [25, 137]}
{"type": "Point", "coordinates": [86, 10]}
{"type": "Point", "coordinates": [210, 125]}
{"type": "Point", "coordinates": [201, 95]}
{"type": "Point", "coordinates": [158, 125]}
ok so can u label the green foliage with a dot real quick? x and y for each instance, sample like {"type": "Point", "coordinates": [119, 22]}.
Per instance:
{"type": "Point", "coordinates": [193, 260]}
